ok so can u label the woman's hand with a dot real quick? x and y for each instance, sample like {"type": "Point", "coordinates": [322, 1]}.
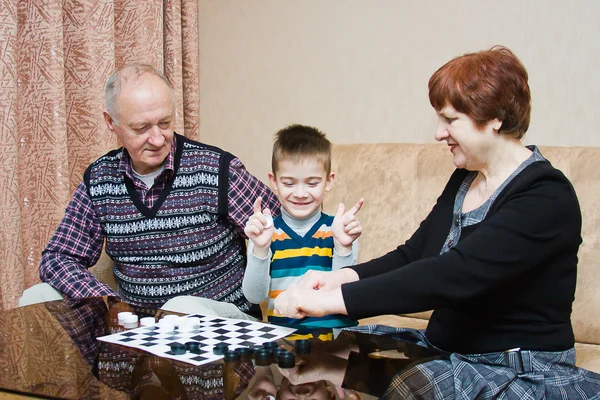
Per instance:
{"type": "Point", "coordinates": [299, 301]}
{"type": "Point", "coordinates": [346, 228]}
{"type": "Point", "coordinates": [320, 280]}
{"type": "Point", "coordinates": [260, 229]}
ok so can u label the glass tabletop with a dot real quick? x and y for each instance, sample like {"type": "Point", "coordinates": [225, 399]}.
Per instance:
{"type": "Point", "coordinates": [51, 350]}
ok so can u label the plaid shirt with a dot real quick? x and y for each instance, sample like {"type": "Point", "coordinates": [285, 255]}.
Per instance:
{"type": "Point", "coordinates": [79, 239]}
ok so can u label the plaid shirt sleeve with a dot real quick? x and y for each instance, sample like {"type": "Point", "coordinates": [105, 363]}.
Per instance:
{"type": "Point", "coordinates": [244, 188]}
{"type": "Point", "coordinates": [75, 246]}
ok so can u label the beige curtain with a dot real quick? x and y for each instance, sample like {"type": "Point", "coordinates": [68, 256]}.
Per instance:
{"type": "Point", "coordinates": [55, 56]}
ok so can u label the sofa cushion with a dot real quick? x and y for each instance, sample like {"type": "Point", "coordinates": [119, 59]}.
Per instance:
{"type": "Point", "coordinates": [103, 271]}
{"type": "Point", "coordinates": [588, 356]}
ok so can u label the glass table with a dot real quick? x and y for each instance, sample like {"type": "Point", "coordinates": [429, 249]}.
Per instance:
{"type": "Point", "coordinates": [50, 350]}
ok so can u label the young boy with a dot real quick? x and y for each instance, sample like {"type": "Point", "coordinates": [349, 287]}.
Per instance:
{"type": "Point", "coordinates": [302, 238]}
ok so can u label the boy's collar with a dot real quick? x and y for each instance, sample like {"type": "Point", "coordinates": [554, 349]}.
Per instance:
{"type": "Point", "coordinates": [298, 223]}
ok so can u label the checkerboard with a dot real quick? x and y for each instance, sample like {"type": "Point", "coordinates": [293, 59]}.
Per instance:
{"type": "Point", "coordinates": [208, 332]}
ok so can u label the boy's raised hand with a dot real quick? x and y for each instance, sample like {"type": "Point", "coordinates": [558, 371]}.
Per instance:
{"type": "Point", "coordinates": [346, 228]}
{"type": "Point", "coordinates": [259, 229]}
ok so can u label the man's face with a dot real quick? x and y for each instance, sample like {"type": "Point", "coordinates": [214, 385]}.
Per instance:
{"type": "Point", "coordinates": [145, 121]}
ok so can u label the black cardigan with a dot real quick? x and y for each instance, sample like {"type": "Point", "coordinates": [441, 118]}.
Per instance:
{"type": "Point", "coordinates": [509, 282]}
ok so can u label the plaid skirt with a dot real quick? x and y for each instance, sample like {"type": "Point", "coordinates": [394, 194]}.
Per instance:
{"type": "Point", "coordinates": [516, 374]}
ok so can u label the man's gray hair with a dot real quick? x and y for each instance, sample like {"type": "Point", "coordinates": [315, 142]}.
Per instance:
{"type": "Point", "coordinates": [116, 80]}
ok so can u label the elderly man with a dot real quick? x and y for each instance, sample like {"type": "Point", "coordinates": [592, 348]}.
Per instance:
{"type": "Point", "coordinates": [171, 210]}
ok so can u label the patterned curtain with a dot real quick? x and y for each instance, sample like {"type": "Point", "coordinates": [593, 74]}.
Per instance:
{"type": "Point", "coordinates": [55, 56]}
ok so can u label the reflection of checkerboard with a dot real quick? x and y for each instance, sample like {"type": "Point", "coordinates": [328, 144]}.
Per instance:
{"type": "Point", "coordinates": [209, 332]}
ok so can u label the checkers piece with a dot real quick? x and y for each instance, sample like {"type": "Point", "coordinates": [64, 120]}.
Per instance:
{"type": "Point", "coordinates": [220, 348]}
{"type": "Point", "coordinates": [231, 355]}
{"type": "Point", "coordinates": [268, 221]}
{"type": "Point", "coordinates": [121, 316]}
{"type": "Point", "coordinates": [147, 321]}
{"type": "Point", "coordinates": [178, 348]}
{"type": "Point", "coordinates": [262, 357]}
{"type": "Point", "coordinates": [270, 345]}
{"type": "Point", "coordinates": [193, 347]}
{"type": "Point", "coordinates": [276, 351]}
{"type": "Point", "coordinates": [286, 359]}
{"type": "Point", "coordinates": [302, 346]}
{"type": "Point", "coordinates": [245, 351]}
{"type": "Point", "coordinates": [256, 348]}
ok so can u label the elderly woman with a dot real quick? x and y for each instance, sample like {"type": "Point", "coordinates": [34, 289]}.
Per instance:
{"type": "Point", "coordinates": [496, 258]}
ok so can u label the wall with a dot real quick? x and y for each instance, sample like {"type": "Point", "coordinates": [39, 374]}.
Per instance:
{"type": "Point", "coordinates": [358, 70]}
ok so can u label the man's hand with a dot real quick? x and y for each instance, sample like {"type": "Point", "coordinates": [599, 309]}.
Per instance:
{"type": "Point", "coordinates": [346, 228]}
{"type": "Point", "coordinates": [259, 229]}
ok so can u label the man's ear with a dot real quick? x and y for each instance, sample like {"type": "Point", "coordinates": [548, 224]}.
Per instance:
{"type": "Point", "coordinates": [273, 182]}
{"type": "Point", "coordinates": [329, 182]}
{"type": "Point", "coordinates": [110, 123]}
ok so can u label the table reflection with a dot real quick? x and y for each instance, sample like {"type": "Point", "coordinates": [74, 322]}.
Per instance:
{"type": "Point", "coordinates": [50, 349]}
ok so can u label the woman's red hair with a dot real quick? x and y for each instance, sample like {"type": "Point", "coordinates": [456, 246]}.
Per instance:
{"type": "Point", "coordinates": [485, 85]}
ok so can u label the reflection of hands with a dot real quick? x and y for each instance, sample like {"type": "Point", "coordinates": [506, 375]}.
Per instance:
{"type": "Point", "coordinates": [298, 301]}
{"type": "Point", "coordinates": [259, 229]}
{"type": "Point", "coordinates": [316, 367]}
{"type": "Point", "coordinates": [346, 228]}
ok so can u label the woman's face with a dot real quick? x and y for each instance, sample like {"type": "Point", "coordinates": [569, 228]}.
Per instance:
{"type": "Point", "coordinates": [469, 144]}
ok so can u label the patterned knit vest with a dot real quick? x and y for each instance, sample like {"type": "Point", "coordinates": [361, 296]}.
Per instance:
{"type": "Point", "coordinates": [292, 257]}
{"type": "Point", "coordinates": [184, 245]}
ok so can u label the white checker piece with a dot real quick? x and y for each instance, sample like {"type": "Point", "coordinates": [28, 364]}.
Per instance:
{"type": "Point", "coordinates": [206, 330]}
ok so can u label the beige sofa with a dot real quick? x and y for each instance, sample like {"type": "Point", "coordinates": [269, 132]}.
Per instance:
{"type": "Point", "coordinates": [400, 183]}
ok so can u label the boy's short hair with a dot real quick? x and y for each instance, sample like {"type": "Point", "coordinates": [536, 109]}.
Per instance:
{"type": "Point", "coordinates": [299, 142]}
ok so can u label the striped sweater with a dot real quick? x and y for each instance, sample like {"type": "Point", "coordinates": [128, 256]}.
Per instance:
{"type": "Point", "coordinates": [292, 256]}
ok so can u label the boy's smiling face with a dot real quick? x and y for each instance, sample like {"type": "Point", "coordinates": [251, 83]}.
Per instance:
{"type": "Point", "coordinates": [301, 186]}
